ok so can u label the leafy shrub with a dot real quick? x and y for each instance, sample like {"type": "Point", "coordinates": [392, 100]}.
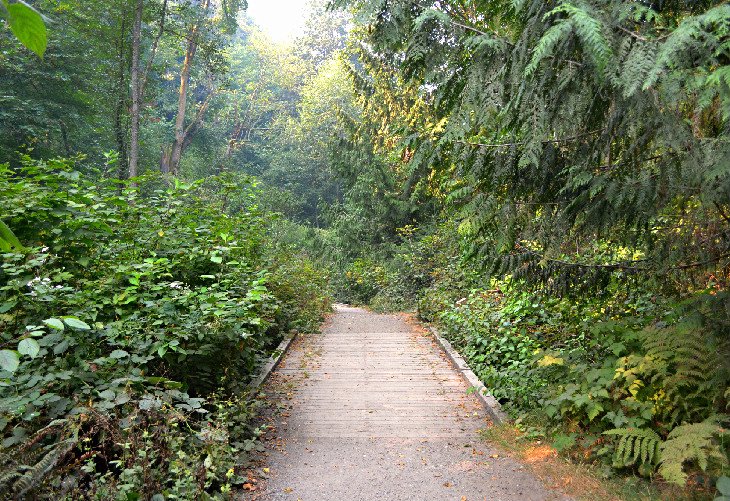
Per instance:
{"type": "Point", "coordinates": [363, 279]}
{"type": "Point", "coordinates": [632, 376]}
{"type": "Point", "coordinates": [302, 288]}
{"type": "Point", "coordinates": [129, 326]}
{"type": "Point", "coordinates": [496, 343]}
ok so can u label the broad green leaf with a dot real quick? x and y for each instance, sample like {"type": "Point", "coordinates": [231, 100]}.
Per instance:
{"type": "Point", "coordinates": [54, 323]}
{"type": "Point", "coordinates": [7, 306]}
{"type": "Point", "coordinates": [108, 395]}
{"type": "Point", "coordinates": [29, 347]}
{"type": "Point", "coordinates": [122, 398]}
{"type": "Point", "coordinates": [8, 240]}
{"type": "Point", "coordinates": [9, 360]}
{"type": "Point", "coordinates": [76, 323]}
{"type": "Point", "coordinates": [216, 259]}
{"type": "Point", "coordinates": [723, 485]}
{"type": "Point", "coordinates": [28, 26]}
{"type": "Point", "coordinates": [119, 354]}
{"type": "Point", "coordinates": [61, 347]}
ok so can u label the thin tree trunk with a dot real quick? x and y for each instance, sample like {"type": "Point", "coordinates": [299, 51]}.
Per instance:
{"type": "Point", "coordinates": [121, 95]}
{"type": "Point", "coordinates": [182, 101]}
{"type": "Point", "coordinates": [170, 161]}
{"type": "Point", "coordinates": [64, 137]}
{"type": "Point", "coordinates": [136, 96]}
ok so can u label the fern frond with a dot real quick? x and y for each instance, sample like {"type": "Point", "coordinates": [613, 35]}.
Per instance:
{"type": "Point", "coordinates": [635, 446]}
{"type": "Point", "coordinates": [691, 443]}
{"type": "Point", "coordinates": [36, 473]}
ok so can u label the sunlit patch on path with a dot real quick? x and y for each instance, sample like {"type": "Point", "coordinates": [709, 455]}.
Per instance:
{"type": "Point", "coordinates": [371, 409]}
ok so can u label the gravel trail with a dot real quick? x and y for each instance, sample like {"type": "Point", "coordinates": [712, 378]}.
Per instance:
{"type": "Point", "coordinates": [371, 409]}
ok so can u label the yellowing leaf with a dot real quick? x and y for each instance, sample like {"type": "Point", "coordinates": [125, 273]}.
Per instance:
{"type": "Point", "coordinates": [548, 360]}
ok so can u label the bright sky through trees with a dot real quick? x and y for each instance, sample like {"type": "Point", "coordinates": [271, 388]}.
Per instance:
{"type": "Point", "coordinates": [281, 19]}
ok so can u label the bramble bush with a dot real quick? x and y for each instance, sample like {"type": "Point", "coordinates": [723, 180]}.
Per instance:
{"type": "Point", "coordinates": [130, 322]}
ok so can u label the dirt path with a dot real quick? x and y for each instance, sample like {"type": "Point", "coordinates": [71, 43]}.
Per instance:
{"type": "Point", "coordinates": [371, 409]}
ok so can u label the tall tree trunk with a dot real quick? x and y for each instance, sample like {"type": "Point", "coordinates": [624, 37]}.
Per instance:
{"type": "Point", "coordinates": [170, 161]}
{"type": "Point", "coordinates": [177, 145]}
{"type": "Point", "coordinates": [119, 111]}
{"type": "Point", "coordinates": [139, 79]}
{"type": "Point", "coordinates": [136, 95]}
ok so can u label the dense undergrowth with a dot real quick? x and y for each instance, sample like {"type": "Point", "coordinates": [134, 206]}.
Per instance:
{"type": "Point", "coordinates": [131, 320]}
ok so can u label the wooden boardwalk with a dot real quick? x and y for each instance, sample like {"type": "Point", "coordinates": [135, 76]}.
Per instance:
{"type": "Point", "coordinates": [372, 409]}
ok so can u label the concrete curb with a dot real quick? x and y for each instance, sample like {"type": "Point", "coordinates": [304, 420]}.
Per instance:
{"type": "Point", "coordinates": [492, 406]}
{"type": "Point", "coordinates": [273, 362]}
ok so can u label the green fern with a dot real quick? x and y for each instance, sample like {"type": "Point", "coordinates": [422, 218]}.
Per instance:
{"type": "Point", "coordinates": [36, 473]}
{"type": "Point", "coordinates": [687, 365]}
{"type": "Point", "coordinates": [635, 446]}
{"type": "Point", "coordinates": [696, 443]}
{"type": "Point", "coordinates": [25, 467]}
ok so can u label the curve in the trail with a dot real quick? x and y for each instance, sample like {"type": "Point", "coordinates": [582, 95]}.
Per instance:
{"type": "Point", "coordinates": [372, 409]}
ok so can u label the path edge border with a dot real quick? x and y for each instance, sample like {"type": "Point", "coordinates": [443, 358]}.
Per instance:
{"type": "Point", "coordinates": [274, 361]}
{"type": "Point", "coordinates": [492, 406]}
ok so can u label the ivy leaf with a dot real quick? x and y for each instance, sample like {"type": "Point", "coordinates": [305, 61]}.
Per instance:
{"type": "Point", "coordinates": [54, 323]}
{"type": "Point", "coordinates": [29, 347]}
{"type": "Point", "coordinates": [118, 354]}
{"type": "Point", "coordinates": [76, 323]}
{"type": "Point", "coordinates": [122, 398]}
{"type": "Point", "coordinates": [9, 360]}
{"type": "Point", "coordinates": [27, 25]}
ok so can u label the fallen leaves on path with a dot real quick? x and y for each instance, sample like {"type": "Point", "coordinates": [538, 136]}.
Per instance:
{"type": "Point", "coordinates": [539, 453]}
